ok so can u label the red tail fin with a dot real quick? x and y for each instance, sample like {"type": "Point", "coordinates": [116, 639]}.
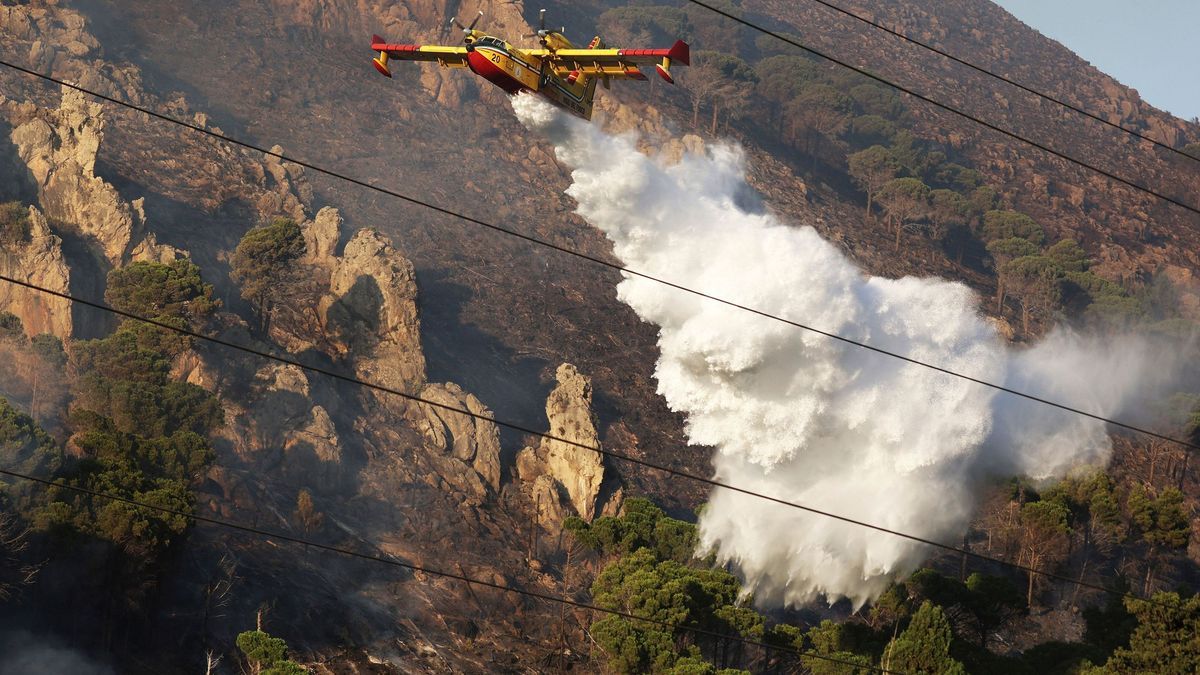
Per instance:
{"type": "Point", "coordinates": [680, 52]}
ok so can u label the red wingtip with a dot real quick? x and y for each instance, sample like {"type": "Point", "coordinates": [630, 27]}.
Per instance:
{"type": "Point", "coordinates": [662, 72]}
{"type": "Point", "coordinates": [680, 52]}
{"type": "Point", "coordinates": [383, 70]}
{"type": "Point", "coordinates": [376, 40]}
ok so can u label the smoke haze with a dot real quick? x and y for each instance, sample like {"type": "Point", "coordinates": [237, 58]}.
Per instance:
{"type": "Point", "coordinates": [802, 417]}
{"type": "Point", "coordinates": [23, 653]}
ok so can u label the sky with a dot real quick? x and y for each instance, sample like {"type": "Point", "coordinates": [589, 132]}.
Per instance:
{"type": "Point", "coordinates": [1150, 45]}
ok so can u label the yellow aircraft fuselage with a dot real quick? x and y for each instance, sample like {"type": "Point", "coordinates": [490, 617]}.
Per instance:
{"type": "Point", "coordinates": [561, 72]}
{"type": "Point", "coordinates": [513, 70]}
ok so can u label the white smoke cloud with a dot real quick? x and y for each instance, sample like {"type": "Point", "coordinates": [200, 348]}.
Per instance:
{"type": "Point", "coordinates": [802, 417]}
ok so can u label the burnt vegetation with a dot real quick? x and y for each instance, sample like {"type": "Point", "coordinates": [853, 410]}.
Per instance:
{"type": "Point", "coordinates": [111, 414]}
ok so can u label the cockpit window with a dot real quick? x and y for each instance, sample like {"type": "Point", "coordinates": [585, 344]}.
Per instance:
{"type": "Point", "coordinates": [490, 42]}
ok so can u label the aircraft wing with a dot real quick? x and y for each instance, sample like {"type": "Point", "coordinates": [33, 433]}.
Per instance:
{"type": "Point", "coordinates": [452, 57]}
{"type": "Point", "coordinates": [614, 63]}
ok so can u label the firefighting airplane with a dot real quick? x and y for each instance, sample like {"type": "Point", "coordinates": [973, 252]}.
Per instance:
{"type": "Point", "coordinates": [559, 71]}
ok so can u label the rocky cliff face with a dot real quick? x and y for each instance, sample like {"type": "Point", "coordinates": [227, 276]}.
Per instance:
{"type": "Point", "coordinates": [555, 472]}
{"type": "Point", "coordinates": [360, 306]}
{"type": "Point", "coordinates": [38, 261]}
{"type": "Point", "coordinates": [1130, 234]}
{"type": "Point", "coordinates": [55, 149]}
{"type": "Point", "coordinates": [364, 312]}
{"type": "Point", "coordinates": [284, 433]}
{"type": "Point", "coordinates": [407, 477]}
{"type": "Point", "coordinates": [59, 148]}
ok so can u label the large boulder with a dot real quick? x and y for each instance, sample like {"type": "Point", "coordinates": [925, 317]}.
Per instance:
{"type": "Point", "coordinates": [576, 470]}
{"type": "Point", "coordinates": [370, 312]}
{"type": "Point", "coordinates": [474, 441]}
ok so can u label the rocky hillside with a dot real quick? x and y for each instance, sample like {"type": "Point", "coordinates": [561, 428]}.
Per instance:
{"type": "Point", "coordinates": [371, 466]}
{"type": "Point", "coordinates": [432, 306]}
{"type": "Point", "coordinates": [1130, 233]}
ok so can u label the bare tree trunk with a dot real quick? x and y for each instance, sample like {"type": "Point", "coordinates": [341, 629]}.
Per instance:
{"type": "Point", "coordinates": [1082, 572]}
{"type": "Point", "coordinates": [713, 130]}
{"type": "Point", "coordinates": [33, 395]}
{"type": "Point", "coordinates": [962, 565]}
{"type": "Point", "coordinates": [1029, 593]}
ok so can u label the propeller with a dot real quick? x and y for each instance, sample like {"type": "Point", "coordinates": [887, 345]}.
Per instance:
{"type": "Point", "coordinates": [467, 29]}
{"type": "Point", "coordinates": [541, 31]}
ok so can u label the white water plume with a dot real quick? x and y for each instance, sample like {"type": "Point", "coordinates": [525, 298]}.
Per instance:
{"type": "Point", "coordinates": [808, 419]}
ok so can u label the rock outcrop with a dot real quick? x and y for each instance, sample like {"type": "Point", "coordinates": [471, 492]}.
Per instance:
{"type": "Point", "coordinates": [299, 437]}
{"type": "Point", "coordinates": [470, 440]}
{"type": "Point", "coordinates": [54, 36]}
{"type": "Point", "coordinates": [286, 189]}
{"type": "Point", "coordinates": [371, 312]}
{"type": "Point", "coordinates": [60, 147]}
{"type": "Point", "coordinates": [321, 237]}
{"type": "Point", "coordinates": [367, 317]}
{"type": "Point", "coordinates": [38, 261]}
{"type": "Point", "coordinates": [360, 306]}
{"type": "Point", "coordinates": [555, 469]}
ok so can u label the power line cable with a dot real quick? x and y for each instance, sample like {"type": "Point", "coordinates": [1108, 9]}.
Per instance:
{"type": "Point", "coordinates": [711, 482]}
{"type": "Point", "coordinates": [1002, 78]}
{"type": "Point", "coordinates": [604, 263]}
{"type": "Point", "coordinates": [599, 261]}
{"type": "Point", "coordinates": [412, 567]}
{"type": "Point", "coordinates": [951, 109]}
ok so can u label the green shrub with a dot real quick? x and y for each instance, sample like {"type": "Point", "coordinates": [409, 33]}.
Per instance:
{"type": "Point", "coordinates": [12, 331]}
{"type": "Point", "coordinates": [154, 289]}
{"type": "Point", "coordinates": [14, 224]}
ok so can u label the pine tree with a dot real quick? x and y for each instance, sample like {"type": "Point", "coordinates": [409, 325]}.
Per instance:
{"type": "Point", "coordinates": [1166, 640]}
{"type": "Point", "coordinates": [264, 261]}
{"type": "Point", "coordinates": [904, 199]}
{"type": "Point", "coordinates": [267, 655]}
{"type": "Point", "coordinates": [871, 169]}
{"type": "Point", "coordinates": [924, 647]}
